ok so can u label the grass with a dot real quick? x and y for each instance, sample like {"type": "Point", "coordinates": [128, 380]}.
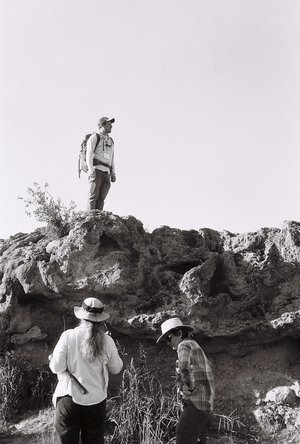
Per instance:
{"type": "Point", "coordinates": [139, 413]}
{"type": "Point", "coordinates": [229, 423]}
{"type": "Point", "coordinates": [11, 388]}
{"type": "Point", "coordinates": [143, 414]}
{"type": "Point", "coordinates": [22, 387]}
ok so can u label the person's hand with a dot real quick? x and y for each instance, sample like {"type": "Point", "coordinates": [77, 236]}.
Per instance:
{"type": "Point", "coordinates": [179, 392]}
{"type": "Point", "coordinates": [50, 357]}
{"type": "Point", "coordinates": [113, 178]}
{"type": "Point", "coordinates": [178, 380]}
{"type": "Point", "coordinates": [187, 391]}
{"type": "Point", "coordinates": [92, 175]}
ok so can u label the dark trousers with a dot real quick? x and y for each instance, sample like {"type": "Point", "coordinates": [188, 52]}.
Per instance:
{"type": "Point", "coordinates": [191, 425]}
{"type": "Point", "coordinates": [72, 419]}
{"type": "Point", "coordinates": [99, 189]}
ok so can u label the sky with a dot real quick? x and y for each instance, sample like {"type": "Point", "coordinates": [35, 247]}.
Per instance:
{"type": "Point", "coordinates": [205, 93]}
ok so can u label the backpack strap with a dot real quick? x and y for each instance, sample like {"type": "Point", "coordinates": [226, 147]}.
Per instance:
{"type": "Point", "coordinates": [97, 141]}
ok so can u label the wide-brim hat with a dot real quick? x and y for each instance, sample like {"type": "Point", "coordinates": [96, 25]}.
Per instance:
{"type": "Point", "coordinates": [172, 324]}
{"type": "Point", "coordinates": [91, 310]}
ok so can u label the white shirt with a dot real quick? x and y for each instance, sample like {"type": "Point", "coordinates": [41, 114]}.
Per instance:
{"type": "Point", "coordinates": [104, 152]}
{"type": "Point", "coordinates": [92, 375]}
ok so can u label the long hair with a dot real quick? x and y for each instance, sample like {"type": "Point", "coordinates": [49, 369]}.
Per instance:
{"type": "Point", "coordinates": [92, 343]}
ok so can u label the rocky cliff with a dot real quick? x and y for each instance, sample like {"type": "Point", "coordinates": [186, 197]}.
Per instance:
{"type": "Point", "coordinates": [241, 292]}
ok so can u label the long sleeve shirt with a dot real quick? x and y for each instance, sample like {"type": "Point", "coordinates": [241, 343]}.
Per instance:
{"type": "Point", "coordinates": [92, 375]}
{"type": "Point", "coordinates": [104, 152]}
{"type": "Point", "coordinates": [194, 373]}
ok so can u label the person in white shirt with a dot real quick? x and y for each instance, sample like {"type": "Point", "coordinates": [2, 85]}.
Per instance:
{"type": "Point", "coordinates": [100, 162]}
{"type": "Point", "coordinates": [82, 359]}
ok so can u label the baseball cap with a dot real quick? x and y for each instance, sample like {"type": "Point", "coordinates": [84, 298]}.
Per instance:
{"type": "Point", "coordinates": [104, 120]}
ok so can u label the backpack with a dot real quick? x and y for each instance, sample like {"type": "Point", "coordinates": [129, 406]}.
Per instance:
{"type": "Point", "coordinates": [82, 165]}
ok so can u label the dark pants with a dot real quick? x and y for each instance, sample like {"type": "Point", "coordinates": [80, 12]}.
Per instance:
{"type": "Point", "coordinates": [191, 425]}
{"type": "Point", "coordinates": [99, 189]}
{"type": "Point", "coordinates": [72, 419]}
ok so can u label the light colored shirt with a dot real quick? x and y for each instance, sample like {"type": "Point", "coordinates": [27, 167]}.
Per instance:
{"type": "Point", "coordinates": [195, 373]}
{"type": "Point", "coordinates": [104, 152]}
{"type": "Point", "coordinates": [92, 375]}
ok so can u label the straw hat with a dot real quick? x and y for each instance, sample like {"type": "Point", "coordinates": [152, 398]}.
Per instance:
{"type": "Point", "coordinates": [172, 324]}
{"type": "Point", "coordinates": [91, 310]}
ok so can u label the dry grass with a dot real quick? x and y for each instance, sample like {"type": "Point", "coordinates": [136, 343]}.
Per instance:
{"type": "Point", "coordinates": [11, 388]}
{"type": "Point", "coordinates": [140, 413]}
{"type": "Point", "coordinates": [143, 414]}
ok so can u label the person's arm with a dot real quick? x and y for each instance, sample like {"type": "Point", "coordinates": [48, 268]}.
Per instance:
{"type": "Point", "coordinates": [90, 148]}
{"type": "Point", "coordinates": [184, 351]}
{"type": "Point", "coordinates": [58, 362]}
{"type": "Point", "coordinates": [113, 177]}
{"type": "Point", "coordinates": [115, 363]}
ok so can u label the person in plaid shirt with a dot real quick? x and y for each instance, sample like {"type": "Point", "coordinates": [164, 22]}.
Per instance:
{"type": "Point", "coordinates": [194, 379]}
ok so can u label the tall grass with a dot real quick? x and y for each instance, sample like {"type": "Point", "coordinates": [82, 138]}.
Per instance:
{"type": "Point", "coordinates": [229, 424]}
{"type": "Point", "coordinates": [143, 414]}
{"type": "Point", "coordinates": [140, 413]}
{"type": "Point", "coordinates": [11, 388]}
{"type": "Point", "coordinates": [22, 387]}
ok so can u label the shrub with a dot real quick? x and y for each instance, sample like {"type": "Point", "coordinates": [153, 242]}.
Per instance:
{"type": "Point", "coordinates": [11, 388]}
{"type": "Point", "coordinates": [23, 387]}
{"type": "Point", "coordinates": [42, 205]}
{"type": "Point", "coordinates": [41, 387]}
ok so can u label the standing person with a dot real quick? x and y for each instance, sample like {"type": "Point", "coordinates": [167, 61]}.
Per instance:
{"type": "Point", "coordinates": [194, 380]}
{"type": "Point", "coordinates": [100, 162]}
{"type": "Point", "coordinates": [88, 354]}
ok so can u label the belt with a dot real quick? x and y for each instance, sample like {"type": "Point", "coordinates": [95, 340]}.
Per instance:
{"type": "Point", "coordinates": [99, 162]}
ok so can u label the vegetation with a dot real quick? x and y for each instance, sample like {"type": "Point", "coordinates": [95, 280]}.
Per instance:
{"type": "Point", "coordinates": [11, 388]}
{"type": "Point", "coordinates": [22, 387]}
{"type": "Point", "coordinates": [142, 413]}
{"type": "Point", "coordinates": [139, 413]}
{"type": "Point", "coordinates": [42, 205]}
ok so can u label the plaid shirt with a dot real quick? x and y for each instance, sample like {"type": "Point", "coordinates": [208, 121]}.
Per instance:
{"type": "Point", "coordinates": [194, 372]}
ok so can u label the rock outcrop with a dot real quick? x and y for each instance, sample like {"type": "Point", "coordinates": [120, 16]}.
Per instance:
{"type": "Point", "coordinates": [241, 292]}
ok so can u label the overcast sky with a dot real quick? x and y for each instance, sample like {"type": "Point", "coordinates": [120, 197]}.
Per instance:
{"type": "Point", "coordinates": [205, 93]}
